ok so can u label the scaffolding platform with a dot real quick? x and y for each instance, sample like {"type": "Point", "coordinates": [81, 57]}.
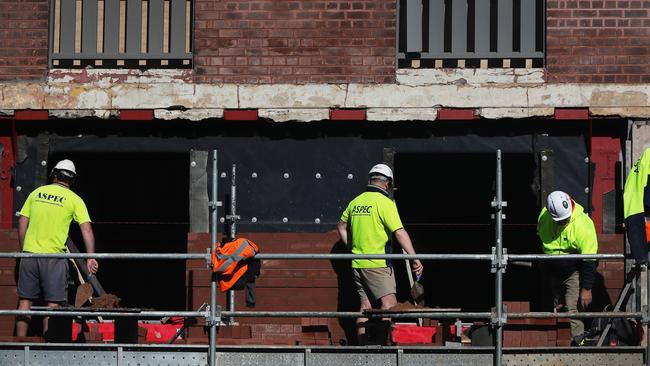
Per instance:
{"type": "Point", "coordinates": [38, 354]}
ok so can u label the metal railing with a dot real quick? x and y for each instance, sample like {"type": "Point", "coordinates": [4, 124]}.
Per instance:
{"type": "Point", "coordinates": [497, 318]}
{"type": "Point", "coordinates": [471, 31]}
{"type": "Point", "coordinates": [120, 33]}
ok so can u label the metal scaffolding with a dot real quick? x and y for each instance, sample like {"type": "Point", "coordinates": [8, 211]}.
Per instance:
{"type": "Point", "coordinates": [498, 317]}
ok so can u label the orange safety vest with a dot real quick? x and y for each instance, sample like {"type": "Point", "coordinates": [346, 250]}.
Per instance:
{"type": "Point", "coordinates": [229, 261]}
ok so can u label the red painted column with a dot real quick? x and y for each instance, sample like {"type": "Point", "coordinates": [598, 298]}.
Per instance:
{"type": "Point", "coordinates": [6, 189]}
{"type": "Point", "coordinates": [605, 154]}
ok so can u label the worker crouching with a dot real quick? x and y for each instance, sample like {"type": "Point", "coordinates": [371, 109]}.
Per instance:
{"type": "Point", "coordinates": [564, 228]}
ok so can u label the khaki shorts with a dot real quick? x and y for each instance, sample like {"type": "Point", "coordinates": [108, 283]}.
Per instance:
{"type": "Point", "coordinates": [374, 283]}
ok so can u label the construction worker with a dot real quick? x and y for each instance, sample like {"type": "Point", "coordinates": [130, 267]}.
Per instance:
{"type": "Point", "coordinates": [366, 226]}
{"type": "Point", "coordinates": [43, 228]}
{"type": "Point", "coordinates": [564, 228]}
{"type": "Point", "coordinates": [636, 208]}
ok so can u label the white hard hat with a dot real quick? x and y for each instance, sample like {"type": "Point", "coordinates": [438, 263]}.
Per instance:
{"type": "Point", "coordinates": [559, 205]}
{"type": "Point", "coordinates": [382, 169]}
{"type": "Point", "coordinates": [65, 165]}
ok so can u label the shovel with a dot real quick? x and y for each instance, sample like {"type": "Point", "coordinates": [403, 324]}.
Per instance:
{"type": "Point", "coordinates": [85, 289]}
{"type": "Point", "coordinates": [417, 292]}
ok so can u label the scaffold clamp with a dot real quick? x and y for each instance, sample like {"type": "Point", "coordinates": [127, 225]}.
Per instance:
{"type": "Point", "coordinates": [497, 321]}
{"type": "Point", "coordinates": [233, 218]}
{"type": "Point", "coordinates": [503, 263]}
{"type": "Point", "coordinates": [209, 321]}
{"type": "Point", "coordinates": [214, 204]}
{"type": "Point", "coordinates": [208, 258]}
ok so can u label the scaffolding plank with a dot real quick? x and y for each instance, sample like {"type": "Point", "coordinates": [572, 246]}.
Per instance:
{"type": "Point", "coordinates": [322, 356]}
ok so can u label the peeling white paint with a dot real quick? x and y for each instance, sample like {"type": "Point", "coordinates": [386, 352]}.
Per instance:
{"type": "Point", "coordinates": [402, 114]}
{"type": "Point", "coordinates": [82, 113]}
{"type": "Point", "coordinates": [475, 77]}
{"type": "Point", "coordinates": [190, 115]}
{"type": "Point", "coordinates": [496, 113]}
{"type": "Point", "coordinates": [291, 96]}
{"type": "Point", "coordinates": [287, 102]}
{"type": "Point", "coordinates": [295, 114]}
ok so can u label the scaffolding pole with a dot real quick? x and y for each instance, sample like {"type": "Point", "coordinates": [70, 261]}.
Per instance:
{"type": "Point", "coordinates": [498, 265]}
{"type": "Point", "coordinates": [232, 218]}
{"type": "Point", "coordinates": [213, 278]}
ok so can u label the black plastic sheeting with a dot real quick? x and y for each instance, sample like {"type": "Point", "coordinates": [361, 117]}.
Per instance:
{"type": "Point", "coordinates": [333, 150]}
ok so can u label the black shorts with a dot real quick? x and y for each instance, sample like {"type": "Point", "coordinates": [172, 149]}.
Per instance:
{"type": "Point", "coordinates": [46, 275]}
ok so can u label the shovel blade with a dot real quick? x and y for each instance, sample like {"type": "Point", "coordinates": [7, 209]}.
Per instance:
{"type": "Point", "coordinates": [84, 293]}
{"type": "Point", "coordinates": [417, 293]}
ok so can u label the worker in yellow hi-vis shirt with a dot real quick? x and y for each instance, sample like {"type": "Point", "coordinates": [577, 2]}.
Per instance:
{"type": "Point", "coordinates": [366, 226]}
{"type": "Point", "coordinates": [565, 228]}
{"type": "Point", "coordinates": [43, 228]}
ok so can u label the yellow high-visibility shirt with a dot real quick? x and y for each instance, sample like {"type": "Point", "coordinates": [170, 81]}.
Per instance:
{"type": "Point", "coordinates": [578, 236]}
{"type": "Point", "coordinates": [373, 218]}
{"type": "Point", "coordinates": [635, 186]}
{"type": "Point", "coordinates": [50, 210]}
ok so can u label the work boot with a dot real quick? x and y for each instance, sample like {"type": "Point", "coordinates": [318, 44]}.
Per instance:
{"type": "Point", "coordinates": [581, 340]}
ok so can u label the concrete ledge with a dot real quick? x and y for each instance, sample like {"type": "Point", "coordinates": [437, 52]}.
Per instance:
{"type": "Point", "coordinates": [286, 102]}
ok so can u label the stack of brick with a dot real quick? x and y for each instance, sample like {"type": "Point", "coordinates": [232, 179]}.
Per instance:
{"type": "Point", "coordinates": [311, 285]}
{"type": "Point", "coordinates": [612, 272]}
{"type": "Point", "coordinates": [8, 296]}
{"type": "Point", "coordinates": [534, 332]}
{"type": "Point", "coordinates": [315, 332]}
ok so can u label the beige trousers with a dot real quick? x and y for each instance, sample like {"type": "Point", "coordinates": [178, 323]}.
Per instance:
{"type": "Point", "coordinates": [566, 291]}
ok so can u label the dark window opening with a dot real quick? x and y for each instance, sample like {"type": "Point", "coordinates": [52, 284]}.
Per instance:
{"type": "Point", "coordinates": [138, 204]}
{"type": "Point", "coordinates": [444, 202]}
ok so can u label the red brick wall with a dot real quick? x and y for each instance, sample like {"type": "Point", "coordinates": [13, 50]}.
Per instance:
{"type": "Point", "coordinates": [268, 41]}
{"type": "Point", "coordinates": [23, 39]}
{"type": "Point", "coordinates": [598, 41]}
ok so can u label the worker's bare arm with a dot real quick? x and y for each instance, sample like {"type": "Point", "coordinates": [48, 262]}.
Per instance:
{"type": "Point", "coordinates": [342, 228]}
{"type": "Point", "coordinates": [23, 223]}
{"type": "Point", "coordinates": [89, 241]}
{"type": "Point", "coordinates": [404, 241]}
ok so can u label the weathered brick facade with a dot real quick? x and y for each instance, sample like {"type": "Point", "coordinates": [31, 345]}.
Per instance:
{"type": "Point", "coordinates": [23, 39]}
{"type": "Point", "coordinates": [596, 41]}
{"type": "Point", "coordinates": [295, 41]}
